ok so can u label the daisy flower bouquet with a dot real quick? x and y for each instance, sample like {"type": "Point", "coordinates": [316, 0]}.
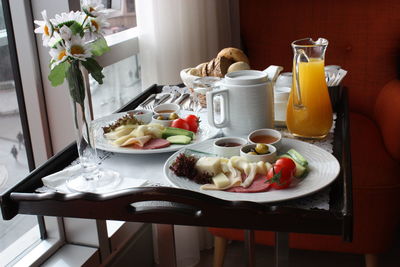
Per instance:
{"type": "Point", "coordinates": [74, 40]}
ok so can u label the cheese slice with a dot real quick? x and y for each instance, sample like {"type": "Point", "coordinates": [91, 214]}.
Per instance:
{"type": "Point", "coordinates": [209, 165]}
{"type": "Point", "coordinates": [262, 168]}
{"type": "Point", "coordinates": [250, 178]}
{"type": "Point", "coordinates": [220, 180]}
{"type": "Point", "coordinates": [119, 132]}
{"type": "Point", "coordinates": [137, 140]}
{"type": "Point", "coordinates": [232, 183]}
{"type": "Point", "coordinates": [121, 140]}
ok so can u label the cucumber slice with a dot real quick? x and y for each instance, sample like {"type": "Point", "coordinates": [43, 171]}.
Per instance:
{"type": "Point", "coordinates": [179, 139]}
{"type": "Point", "coordinates": [171, 131]}
{"type": "Point", "coordinates": [301, 171]}
{"type": "Point", "coordinates": [297, 157]}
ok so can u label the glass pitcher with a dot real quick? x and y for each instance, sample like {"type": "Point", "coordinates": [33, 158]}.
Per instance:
{"type": "Point", "coordinates": [309, 111]}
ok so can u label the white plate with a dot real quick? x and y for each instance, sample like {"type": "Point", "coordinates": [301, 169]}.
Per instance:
{"type": "Point", "coordinates": [205, 132]}
{"type": "Point", "coordinates": [323, 170]}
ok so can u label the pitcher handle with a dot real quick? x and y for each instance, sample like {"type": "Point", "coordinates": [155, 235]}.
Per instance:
{"type": "Point", "coordinates": [210, 107]}
{"type": "Point", "coordinates": [297, 59]}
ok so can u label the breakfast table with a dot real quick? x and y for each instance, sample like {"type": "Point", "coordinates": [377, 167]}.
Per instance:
{"type": "Point", "coordinates": [328, 211]}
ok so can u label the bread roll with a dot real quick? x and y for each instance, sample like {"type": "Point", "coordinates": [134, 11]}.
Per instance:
{"type": "Point", "coordinates": [221, 66]}
{"type": "Point", "coordinates": [194, 71]}
{"type": "Point", "coordinates": [204, 70]}
{"type": "Point", "coordinates": [200, 65]}
{"type": "Point", "coordinates": [210, 67]}
{"type": "Point", "coordinates": [200, 68]}
{"type": "Point", "coordinates": [233, 54]}
{"type": "Point", "coordinates": [241, 65]}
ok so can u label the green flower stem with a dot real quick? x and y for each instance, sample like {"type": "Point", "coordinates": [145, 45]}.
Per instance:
{"type": "Point", "coordinates": [77, 92]}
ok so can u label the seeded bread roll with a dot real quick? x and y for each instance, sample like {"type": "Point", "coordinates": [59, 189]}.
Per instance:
{"type": "Point", "coordinates": [233, 54]}
{"type": "Point", "coordinates": [238, 66]}
{"type": "Point", "coordinates": [194, 71]}
{"type": "Point", "coordinates": [210, 67]}
{"type": "Point", "coordinates": [200, 67]}
{"type": "Point", "coordinates": [221, 65]}
{"type": "Point", "coordinates": [204, 70]}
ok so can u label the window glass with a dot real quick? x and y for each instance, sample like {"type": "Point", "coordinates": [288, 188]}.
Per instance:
{"type": "Point", "coordinates": [120, 14]}
{"type": "Point", "coordinates": [121, 83]}
{"type": "Point", "coordinates": [13, 157]}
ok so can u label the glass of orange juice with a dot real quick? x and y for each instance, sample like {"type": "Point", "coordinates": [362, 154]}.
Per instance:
{"type": "Point", "coordinates": [309, 111]}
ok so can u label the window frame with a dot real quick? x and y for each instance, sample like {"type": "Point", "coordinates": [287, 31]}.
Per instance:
{"type": "Point", "coordinates": [23, 56]}
{"type": "Point", "coordinates": [32, 66]}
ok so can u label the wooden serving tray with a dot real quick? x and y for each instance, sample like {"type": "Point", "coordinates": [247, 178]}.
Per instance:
{"type": "Point", "coordinates": [166, 205]}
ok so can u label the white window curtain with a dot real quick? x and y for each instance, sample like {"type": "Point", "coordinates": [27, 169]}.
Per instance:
{"type": "Point", "coordinates": [177, 34]}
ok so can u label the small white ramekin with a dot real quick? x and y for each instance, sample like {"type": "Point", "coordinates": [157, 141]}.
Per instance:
{"type": "Point", "coordinates": [227, 152]}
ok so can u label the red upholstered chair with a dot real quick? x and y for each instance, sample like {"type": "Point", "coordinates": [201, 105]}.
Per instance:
{"type": "Point", "coordinates": [365, 40]}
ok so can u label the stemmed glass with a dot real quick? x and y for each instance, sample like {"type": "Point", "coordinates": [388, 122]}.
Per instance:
{"type": "Point", "coordinates": [201, 86]}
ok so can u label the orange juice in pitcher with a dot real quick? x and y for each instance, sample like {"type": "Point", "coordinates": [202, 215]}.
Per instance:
{"type": "Point", "coordinates": [309, 111]}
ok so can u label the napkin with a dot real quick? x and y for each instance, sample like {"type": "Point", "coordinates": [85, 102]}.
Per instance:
{"type": "Point", "coordinates": [57, 181]}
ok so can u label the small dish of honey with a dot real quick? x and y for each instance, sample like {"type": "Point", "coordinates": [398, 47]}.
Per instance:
{"type": "Point", "coordinates": [266, 136]}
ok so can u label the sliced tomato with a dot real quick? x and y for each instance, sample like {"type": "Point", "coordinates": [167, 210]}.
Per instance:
{"type": "Point", "coordinates": [280, 177]}
{"type": "Point", "coordinates": [180, 123]}
{"type": "Point", "coordinates": [193, 122]}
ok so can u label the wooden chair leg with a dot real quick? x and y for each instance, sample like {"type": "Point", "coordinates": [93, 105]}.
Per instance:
{"type": "Point", "coordinates": [371, 260]}
{"type": "Point", "coordinates": [219, 251]}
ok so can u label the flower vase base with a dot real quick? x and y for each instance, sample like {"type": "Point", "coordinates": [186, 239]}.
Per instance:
{"type": "Point", "coordinates": [104, 181]}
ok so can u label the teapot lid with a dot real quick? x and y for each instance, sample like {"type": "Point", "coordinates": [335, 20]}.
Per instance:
{"type": "Point", "coordinates": [245, 77]}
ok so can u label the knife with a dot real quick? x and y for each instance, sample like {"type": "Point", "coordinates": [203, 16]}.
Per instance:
{"type": "Point", "coordinates": [161, 98]}
{"type": "Point", "coordinates": [183, 98]}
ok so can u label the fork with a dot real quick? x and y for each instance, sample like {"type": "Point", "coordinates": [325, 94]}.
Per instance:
{"type": "Point", "coordinates": [145, 103]}
{"type": "Point", "coordinates": [175, 96]}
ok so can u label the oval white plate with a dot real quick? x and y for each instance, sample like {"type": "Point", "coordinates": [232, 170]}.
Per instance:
{"type": "Point", "coordinates": [323, 170]}
{"type": "Point", "coordinates": [205, 132]}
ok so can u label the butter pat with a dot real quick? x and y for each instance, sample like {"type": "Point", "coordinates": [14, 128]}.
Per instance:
{"type": "Point", "coordinates": [221, 181]}
{"type": "Point", "coordinates": [211, 165]}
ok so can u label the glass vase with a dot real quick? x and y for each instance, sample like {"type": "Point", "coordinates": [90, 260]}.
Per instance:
{"type": "Point", "coordinates": [90, 177]}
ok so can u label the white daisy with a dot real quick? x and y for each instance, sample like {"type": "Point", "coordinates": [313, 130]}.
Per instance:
{"type": "Point", "coordinates": [45, 27]}
{"type": "Point", "coordinates": [97, 24]}
{"type": "Point", "coordinates": [92, 8]}
{"type": "Point", "coordinates": [58, 54]}
{"type": "Point", "coordinates": [65, 33]}
{"type": "Point", "coordinates": [54, 40]}
{"type": "Point", "coordinates": [77, 48]}
{"type": "Point", "coordinates": [68, 18]}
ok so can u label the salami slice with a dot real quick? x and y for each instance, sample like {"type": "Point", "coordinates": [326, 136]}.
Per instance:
{"type": "Point", "coordinates": [155, 143]}
{"type": "Point", "coordinates": [258, 185]}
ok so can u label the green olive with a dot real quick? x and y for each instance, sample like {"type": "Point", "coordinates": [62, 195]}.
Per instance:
{"type": "Point", "coordinates": [252, 153]}
{"type": "Point", "coordinates": [173, 116]}
{"type": "Point", "coordinates": [160, 117]}
{"type": "Point", "coordinates": [262, 149]}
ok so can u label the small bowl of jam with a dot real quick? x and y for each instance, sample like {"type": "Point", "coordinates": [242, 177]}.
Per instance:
{"type": "Point", "coordinates": [266, 136]}
{"type": "Point", "coordinates": [228, 146]}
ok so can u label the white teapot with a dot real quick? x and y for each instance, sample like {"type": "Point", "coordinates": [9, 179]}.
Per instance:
{"type": "Point", "coordinates": [247, 101]}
